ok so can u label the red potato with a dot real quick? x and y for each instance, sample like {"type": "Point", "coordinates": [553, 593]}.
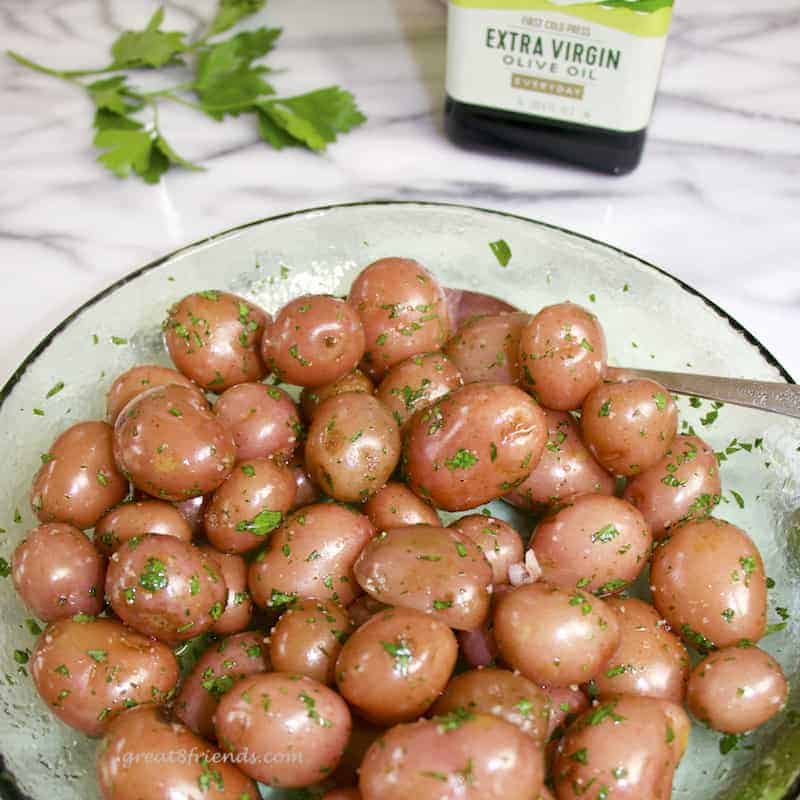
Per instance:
{"type": "Point", "coordinates": [553, 636]}
{"type": "Point", "coordinates": [87, 670]}
{"type": "Point", "coordinates": [403, 310]}
{"type": "Point", "coordinates": [395, 665]}
{"type": "Point", "coordinates": [58, 573]}
{"type": "Point", "coordinates": [192, 510]}
{"type": "Point", "coordinates": [353, 446]}
{"type": "Point", "coordinates": [238, 605]}
{"type": "Point", "coordinates": [214, 338]}
{"type": "Point", "coordinates": [474, 445]}
{"type": "Point", "coordinates": [396, 506]}
{"type": "Point", "coordinates": [592, 542]}
{"type": "Point", "coordinates": [139, 379]}
{"type": "Point", "coordinates": [650, 660]}
{"type": "Point", "coordinates": [461, 755]}
{"type": "Point", "coordinates": [629, 426]}
{"type": "Point", "coordinates": [249, 505]}
{"type": "Point", "coordinates": [562, 353]}
{"type": "Point", "coordinates": [217, 670]}
{"type": "Point", "coordinates": [263, 420]}
{"type": "Point", "coordinates": [307, 492]}
{"type": "Point", "coordinates": [565, 704]}
{"type": "Point", "coordinates": [478, 646]}
{"type": "Point", "coordinates": [709, 584]}
{"type": "Point", "coordinates": [146, 754]}
{"type": "Point", "coordinates": [311, 556]}
{"type": "Point", "coordinates": [417, 383]}
{"type": "Point", "coordinates": [500, 544]}
{"type": "Point", "coordinates": [486, 348]}
{"type": "Point", "coordinates": [684, 484]}
{"type": "Point", "coordinates": [279, 712]}
{"type": "Point", "coordinates": [136, 519]}
{"type": "Point", "coordinates": [434, 570]}
{"type": "Point", "coordinates": [736, 689]}
{"type": "Point", "coordinates": [312, 398]}
{"type": "Point", "coordinates": [464, 304]}
{"type": "Point", "coordinates": [351, 793]}
{"type": "Point", "coordinates": [363, 608]}
{"type": "Point", "coordinates": [171, 445]}
{"type": "Point", "coordinates": [164, 587]}
{"type": "Point", "coordinates": [314, 340]}
{"type": "Point", "coordinates": [565, 468]}
{"type": "Point", "coordinates": [362, 735]}
{"type": "Point", "coordinates": [78, 480]}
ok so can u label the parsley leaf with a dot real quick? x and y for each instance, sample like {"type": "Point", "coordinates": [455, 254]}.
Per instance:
{"type": "Point", "coordinates": [150, 47]}
{"type": "Point", "coordinates": [230, 12]}
{"type": "Point", "coordinates": [502, 252]}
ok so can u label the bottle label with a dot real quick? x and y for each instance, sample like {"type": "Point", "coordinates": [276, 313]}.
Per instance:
{"type": "Point", "coordinates": [594, 62]}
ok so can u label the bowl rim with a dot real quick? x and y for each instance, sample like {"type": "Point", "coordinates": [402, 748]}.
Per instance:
{"type": "Point", "coordinates": [8, 786]}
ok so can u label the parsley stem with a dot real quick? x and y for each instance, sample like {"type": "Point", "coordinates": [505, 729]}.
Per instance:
{"type": "Point", "coordinates": [168, 91]}
{"type": "Point", "coordinates": [67, 75]}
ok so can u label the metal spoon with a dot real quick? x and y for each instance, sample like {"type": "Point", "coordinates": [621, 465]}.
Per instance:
{"type": "Point", "coordinates": [778, 398]}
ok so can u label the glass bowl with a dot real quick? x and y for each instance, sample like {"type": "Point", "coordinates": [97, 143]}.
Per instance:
{"type": "Point", "coordinates": [650, 319]}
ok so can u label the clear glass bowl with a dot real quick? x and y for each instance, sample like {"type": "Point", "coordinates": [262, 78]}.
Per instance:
{"type": "Point", "coordinates": [650, 320]}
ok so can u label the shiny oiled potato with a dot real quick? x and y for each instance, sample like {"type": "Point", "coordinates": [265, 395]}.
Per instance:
{"type": "Point", "coordinates": [88, 670]}
{"type": "Point", "coordinates": [500, 543]}
{"type": "Point", "coordinates": [353, 446]}
{"type": "Point", "coordinates": [315, 339]}
{"type": "Point", "coordinates": [565, 703]}
{"type": "Point", "coordinates": [147, 754]}
{"type": "Point", "coordinates": [554, 636]}
{"type": "Point", "coordinates": [505, 694]}
{"type": "Point", "coordinates": [562, 353]}
{"type": "Point", "coordinates": [221, 666]}
{"type": "Point", "coordinates": [434, 570]}
{"type": "Point", "coordinates": [139, 379]}
{"type": "Point", "coordinates": [474, 445]}
{"type": "Point", "coordinates": [487, 348]}
{"type": "Point", "coordinates": [684, 484]}
{"type": "Point", "coordinates": [214, 338]}
{"type": "Point", "coordinates": [464, 304]}
{"type": "Point", "coordinates": [171, 445]}
{"type": "Point", "coordinates": [629, 426]}
{"type": "Point", "coordinates": [351, 793]}
{"type": "Point", "coordinates": [396, 506]}
{"type": "Point", "coordinates": [311, 555]}
{"type": "Point", "coordinates": [403, 309]}
{"type": "Point", "coordinates": [238, 605]}
{"type": "Point", "coordinates": [417, 383]}
{"type": "Point", "coordinates": [263, 420]}
{"type": "Point", "coordinates": [593, 542]}
{"type": "Point", "coordinates": [135, 519]}
{"type": "Point", "coordinates": [362, 735]}
{"type": "Point", "coordinates": [249, 505]}
{"type": "Point", "coordinates": [192, 510]}
{"type": "Point", "coordinates": [78, 480]}
{"type": "Point", "coordinates": [164, 587]}
{"type": "Point", "coordinates": [478, 646]}
{"type": "Point", "coordinates": [395, 665]}
{"type": "Point", "coordinates": [708, 582]}
{"type": "Point", "coordinates": [650, 660]}
{"type": "Point", "coordinates": [565, 468]}
{"type": "Point", "coordinates": [283, 713]}
{"type": "Point", "coordinates": [626, 747]}
{"type": "Point", "coordinates": [737, 689]}
{"type": "Point", "coordinates": [58, 572]}
{"type": "Point", "coordinates": [363, 608]}
{"type": "Point", "coordinates": [312, 398]}
{"type": "Point", "coordinates": [307, 492]}
{"type": "Point", "coordinates": [460, 755]}
{"type": "Point", "coordinates": [308, 638]}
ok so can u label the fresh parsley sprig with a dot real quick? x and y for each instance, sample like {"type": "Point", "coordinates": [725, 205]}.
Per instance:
{"type": "Point", "coordinates": [225, 81]}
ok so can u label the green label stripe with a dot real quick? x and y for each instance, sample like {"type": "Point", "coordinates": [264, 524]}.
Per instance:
{"type": "Point", "coordinates": [648, 18]}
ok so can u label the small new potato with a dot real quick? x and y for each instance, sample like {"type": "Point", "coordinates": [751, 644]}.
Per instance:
{"type": "Point", "coordinates": [164, 587]}
{"type": "Point", "coordinates": [312, 398]}
{"type": "Point", "coordinates": [58, 573]}
{"type": "Point", "coordinates": [78, 480]}
{"type": "Point", "coordinates": [629, 426]}
{"type": "Point", "coordinates": [565, 703]}
{"type": "Point", "coordinates": [353, 446]}
{"type": "Point", "coordinates": [87, 670]}
{"type": "Point", "coordinates": [238, 606]}
{"type": "Point", "coordinates": [192, 510]}
{"type": "Point", "coordinates": [500, 544]}
{"type": "Point", "coordinates": [308, 638]}
{"type": "Point", "coordinates": [474, 445]}
{"type": "Point", "coordinates": [554, 636]}
{"type": "Point", "coordinates": [214, 338]}
{"type": "Point", "coordinates": [315, 339]}
{"type": "Point", "coordinates": [395, 665]}
{"type": "Point", "coordinates": [435, 570]}
{"type": "Point", "coordinates": [307, 492]}
{"type": "Point", "coordinates": [136, 519]}
{"type": "Point", "coordinates": [139, 379]}
{"type": "Point", "coordinates": [396, 506]}
{"type": "Point", "coordinates": [281, 712]}
{"type": "Point", "coordinates": [463, 304]}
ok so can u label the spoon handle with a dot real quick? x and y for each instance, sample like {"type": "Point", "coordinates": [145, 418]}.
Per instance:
{"type": "Point", "coordinates": [779, 398]}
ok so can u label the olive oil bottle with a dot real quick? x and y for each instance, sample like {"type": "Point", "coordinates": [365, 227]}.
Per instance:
{"type": "Point", "coordinates": [569, 80]}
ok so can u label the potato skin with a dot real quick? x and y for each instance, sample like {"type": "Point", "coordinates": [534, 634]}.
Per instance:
{"type": "Point", "coordinates": [434, 570]}
{"type": "Point", "coordinates": [396, 506]}
{"type": "Point", "coordinates": [474, 445]}
{"type": "Point", "coordinates": [58, 573]}
{"type": "Point", "coordinates": [136, 519]}
{"type": "Point", "coordinates": [312, 397]}
{"type": "Point", "coordinates": [500, 544]}
{"type": "Point", "coordinates": [395, 665]}
{"type": "Point", "coordinates": [463, 304]}
{"type": "Point", "coordinates": [139, 379]}
{"type": "Point", "coordinates": [88, 670]}
{"type": "Point", "coordinates": [238, 605]}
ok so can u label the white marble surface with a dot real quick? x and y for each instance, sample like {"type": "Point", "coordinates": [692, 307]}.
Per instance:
{"type": "Point", "coordinates": [715, 200]}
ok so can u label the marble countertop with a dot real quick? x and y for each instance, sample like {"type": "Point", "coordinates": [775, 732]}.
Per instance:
{"type": "Point", "coordinates": [715, 200]}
